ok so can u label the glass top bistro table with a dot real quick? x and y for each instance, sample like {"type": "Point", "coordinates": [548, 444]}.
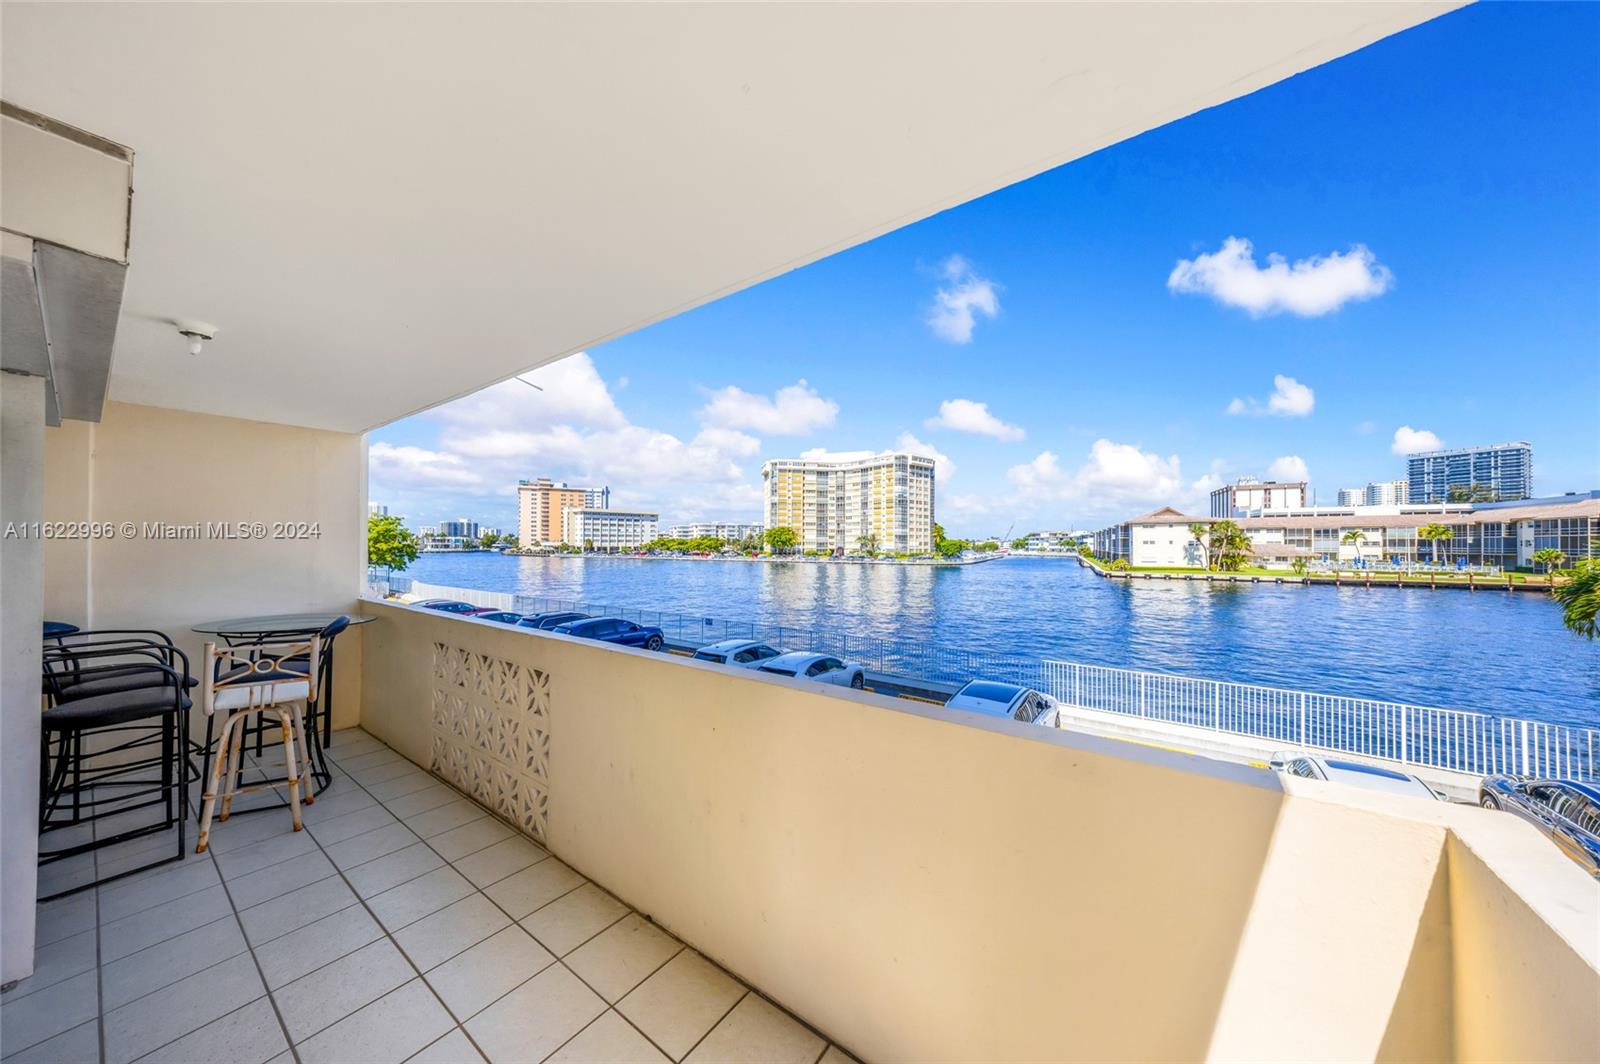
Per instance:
{"type": "Point", "coordinates": [287, 626]}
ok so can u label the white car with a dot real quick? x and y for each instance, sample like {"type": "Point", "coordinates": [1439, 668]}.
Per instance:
{"type": "Point", "coordinates": [818, 667]}
{"type": "Point", "coordinates": [744, 653]}
{"type": "Point", "coordinates": [1353, 774]}
{"type": "Point", "coordinates": [1006, 700]}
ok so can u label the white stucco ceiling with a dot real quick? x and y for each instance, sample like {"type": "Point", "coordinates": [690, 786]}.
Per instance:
{"type": "Point", "coordinates": [386, 206]}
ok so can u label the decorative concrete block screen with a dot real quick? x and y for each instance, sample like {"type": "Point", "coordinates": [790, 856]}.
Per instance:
{"type": "Point", "coordinates": [491, 733]}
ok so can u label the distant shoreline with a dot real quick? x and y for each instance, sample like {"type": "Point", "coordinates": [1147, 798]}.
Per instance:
{"type": "Point", "coordinates": [763, 559]}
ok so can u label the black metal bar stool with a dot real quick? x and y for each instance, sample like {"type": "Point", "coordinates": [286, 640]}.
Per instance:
{"type": "Point", "coordinates": [115, 740]}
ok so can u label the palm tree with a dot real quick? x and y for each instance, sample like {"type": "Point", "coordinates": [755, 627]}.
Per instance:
{"type": "Point", "coordinates": [1198, 530]}
{"type": "Point", "coordinates": [1355, 537]}
{"type": "Point", "coordinates": [1435, 534]}
{"type": "Point", "coordinates": [868, 544]}
{"type": "Point", "coordinates": [1580, 598]}
{"type": "Point", "coordinates": [1551, 559]}
{"type": "Point", "coordinates": [1229, 545]}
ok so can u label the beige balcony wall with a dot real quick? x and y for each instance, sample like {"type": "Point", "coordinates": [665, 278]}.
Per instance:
{"type": "Point", "coordinates": [148, 464]}
{"type": "Point", "coordinates": [921, 884]}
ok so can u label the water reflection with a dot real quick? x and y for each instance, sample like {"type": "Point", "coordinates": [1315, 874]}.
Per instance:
{"type": "Point", "coordinates": [1493, 651]}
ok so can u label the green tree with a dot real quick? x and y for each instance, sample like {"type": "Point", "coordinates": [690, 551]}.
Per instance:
{"type": "Point", "coordinates": [867, 544]}
{"type": "Point", "coordinates": [782, 540]}
{"type": "Point", "coordinates": [1580, 597]}
{"type": "Point", "coordinates": [1355, 537]}
{"type": "Point", "coordinates": [1434, 535]}
{"type": "Point", "coordinates": [1551, 559]}
{"type": "Point", "coordinates": [1198, 531]}
{"type": "Point", "coordinates": [1020, 543]}
{"type": "Point", "coordinates": [1229, 545]}
{"type": "Point", "coordinates": [390, 544]}
{"type": "Point", "coordinates": [488, 540]}
{"type": "Point", "coordinates": [588, 545]}
{"type": "Point", "coordinates": [509, 540]}
{"type": "Point", "coordinates": [987, 546]}
{"type": "Point", "coordinates": [1299, 566]}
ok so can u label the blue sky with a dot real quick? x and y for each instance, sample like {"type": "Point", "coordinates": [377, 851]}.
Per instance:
{"type": "Point", "coordinates": [1440, 191]}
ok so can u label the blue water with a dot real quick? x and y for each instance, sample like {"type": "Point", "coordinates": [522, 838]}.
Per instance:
{"type": "Point", "coordinates": [1493, 652]}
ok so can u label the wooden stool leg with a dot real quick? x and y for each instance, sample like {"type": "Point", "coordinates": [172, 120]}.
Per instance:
{"type": "Point", "coordinates": [235, 751]}
{"type": "Point", "coordinates": [285, 718]}
{"type": "Point", "coordinates": [208, 805]}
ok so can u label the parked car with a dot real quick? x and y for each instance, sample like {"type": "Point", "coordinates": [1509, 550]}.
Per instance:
{"type": "Point", "coordinates": [501, 616]}
{"type": "Point", "coordinates": [1006, 700]}
{"type": "Point", "coordinates": [547, 621]}
{"type": "Point", "coordinates": [1353, 774]}
{"type": "Point", "coordinates": [818, 667]}
{"type": "Point", "coordinates": [745, 653]}
{"type": "Point", "coordinates": [1566, 810]}
{"type": "Point", "coordinates": [453, 606]}
{"type": "Point", "coordinates": [614, 630]}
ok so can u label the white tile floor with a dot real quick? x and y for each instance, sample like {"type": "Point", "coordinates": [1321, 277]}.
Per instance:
{"type": "Point", "coordinates": [404, 924]}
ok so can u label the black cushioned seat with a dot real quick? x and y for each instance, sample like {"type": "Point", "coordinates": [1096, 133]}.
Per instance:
{"type": "Point", "coordinates": [132, 678]}
{"type": "Point", "coordinates": [116, 707]}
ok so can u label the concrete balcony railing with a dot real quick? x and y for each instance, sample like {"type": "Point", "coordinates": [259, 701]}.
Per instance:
{"type": "Point", "coordinates": [925, 884]}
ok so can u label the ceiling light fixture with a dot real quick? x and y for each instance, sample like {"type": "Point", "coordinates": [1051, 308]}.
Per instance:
{"type": "Point", "coordinates": [196, 332]}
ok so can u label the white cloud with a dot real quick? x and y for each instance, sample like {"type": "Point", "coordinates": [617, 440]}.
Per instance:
{"type": "Point", "coordinates": [1116, 474]}
{"type": "Point", "coordinates": [573, 431]}
{"type": "Point", "coordinates": [957, 304]}
{"type": "Point", "coordinates": [1408, 440]}
{"type": "Point", "coordinates": [943, 468]}
{"type": "Point", "coordinates": [1308, 288]}
{"type": "Point", "coordinates": [1289, 398]}
{"type": "Point", "coordinates": [418, 467]}
{"type": "Point", "coordinates": [793, 411]}
{"type": "Point", "coordinates": [1291, 468]}
{"type": "Point", "coordinates": [572, 393]}
{"type": "Point", "coordinates": [964, 415]}
{"type": "Point", "coordinates": [729, 441]}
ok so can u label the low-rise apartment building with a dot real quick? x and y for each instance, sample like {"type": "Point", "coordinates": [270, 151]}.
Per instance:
{"type": "Point", "coordinates": [832, 505]}
{"type": "Point", "coordinates": [609, 530]}
{"type": "Point", "coordinates": [731, 531]}
{"type": "Point", "coordinates": [1500, 534]}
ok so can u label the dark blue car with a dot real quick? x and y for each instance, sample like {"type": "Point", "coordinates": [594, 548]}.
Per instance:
{"type": "Point", "coordinates": [547, 621]}
{"type": "Point", "coordinates": [614, 630]}
{"type": "Point", "coordinates": [501, 616]}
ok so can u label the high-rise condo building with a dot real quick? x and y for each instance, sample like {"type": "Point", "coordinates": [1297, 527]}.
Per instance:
{"type": "Point", "coordinates": [542, 505]}
{"type": "Point", "coordinates": [1380, 493]}
{"type": "Point", "coordinates": [833, 505]}
{"type": "Point", "coordinates": [1249, 495]}
{"type": "Point", "coordinates": [460, 528]}
{"type": "Point", "coordinates": [1501, 472]}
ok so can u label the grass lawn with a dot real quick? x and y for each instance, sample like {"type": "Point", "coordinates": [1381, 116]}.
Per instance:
{"type": "Point", "coordinates": [1378, 576]}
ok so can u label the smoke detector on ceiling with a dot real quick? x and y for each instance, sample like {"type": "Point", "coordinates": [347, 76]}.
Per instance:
{"type": "Point", "coordinates": [196, 332]}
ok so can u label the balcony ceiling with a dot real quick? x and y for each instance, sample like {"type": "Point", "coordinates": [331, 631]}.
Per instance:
{"type": "Point", "coordinates": [384, 207]}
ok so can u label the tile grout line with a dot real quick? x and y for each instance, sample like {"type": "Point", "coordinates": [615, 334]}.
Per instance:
{"type": "Point", "coordinates": [386, 934]}
{"type": "Point", "coordinates": [255, 960]}
{"type": "Point", "coordinates": [560, 959]}
{"type": "Point", "coordinates": [747, 992]}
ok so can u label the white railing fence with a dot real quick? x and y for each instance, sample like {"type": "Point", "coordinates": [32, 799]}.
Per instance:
{"type": "Point", "coordinates": [1453, 739]}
